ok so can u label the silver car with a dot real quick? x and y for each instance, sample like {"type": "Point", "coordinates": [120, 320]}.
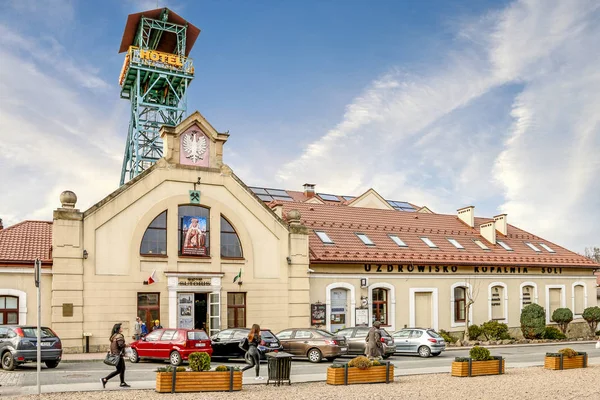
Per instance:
{"type": "Point", "coordinates": [424, 342]}
{"type": "Point", "coordinates": [357, 344]}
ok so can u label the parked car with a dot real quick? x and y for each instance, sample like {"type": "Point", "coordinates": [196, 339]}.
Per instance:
{"type": "Point", "coordinates": [424, 342]}
{"type": "Point", "coordinates": [18, 345]}
{"type": "Point", "coordinates": [174, 345]}
{"type": "Point", "coordinates": [356, 340]}
{"type": "Point", "coordinates": [226, 344]}
{"type": "Point", "coordinates": [315, 344]}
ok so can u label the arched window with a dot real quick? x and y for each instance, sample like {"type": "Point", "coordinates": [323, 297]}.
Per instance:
{"type": "Point", "coordinates": [194, 232]}
{"type": "Point", "coordinates": [230, 242]}
{"type": "Point", "coordinates": [155, 237]}
{"type": "Point", "coordinates": [9, 310]}
{"type": "Point", "coordinates": [460, 297]}
{"type": "Point", "coordinates": [579, 298]}
{"type": "Point", "coordinates": [498, 302]}
{"type": "Point", "coordinates": [379, 302]}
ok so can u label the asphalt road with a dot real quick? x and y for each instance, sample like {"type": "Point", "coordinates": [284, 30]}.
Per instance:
{"type": "Point", "coordinates": [91, 371]}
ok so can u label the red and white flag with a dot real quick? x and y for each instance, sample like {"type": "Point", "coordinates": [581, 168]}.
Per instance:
{"type": "Point", "coordinates": [151, 279]}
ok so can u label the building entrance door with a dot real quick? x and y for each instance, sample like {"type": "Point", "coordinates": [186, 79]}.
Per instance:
{"type": "Point", "coordinates": [201, 311]}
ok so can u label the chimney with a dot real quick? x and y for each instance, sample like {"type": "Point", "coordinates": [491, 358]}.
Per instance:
{"type": "Point", "coordinates": [467, 215]}
{"type": "Point", "coordinates": [309, 190]}
{"type": "Point", "coordinates": [501, 225]}
{"type": "Point", "coordinates": [488, 231]}
{"type": "Point", "coordinates": [278, 209]}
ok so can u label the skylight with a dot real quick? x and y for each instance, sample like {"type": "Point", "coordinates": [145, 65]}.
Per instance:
{"type": "Point", "coordinates": [428, 242]}
{"type": "Point", "coordinates": [401, 205]}
{"type": "Point", "coordinates": [481, 244]}
{"type": "Point", "coordinates": [328, 197]}
{"type": "Point", "coordinates": [365, 239]}
{"type": "Point", "coordinates": [455, 243]}
{"type": "Point", "coordinates": [532, 247]}
{"type": "Point", "coordinates": [324, 238]}
{"type": "Point", "coordinates": [504, 245]}
{"type": "Point", "coordinates": [348, 198]}
{"type": "Point", "coordinates": [398, 241]}
{"type": "Point", "coordinates": [271, 194]}
{"type": "Point", "coordinates": [548, 249]}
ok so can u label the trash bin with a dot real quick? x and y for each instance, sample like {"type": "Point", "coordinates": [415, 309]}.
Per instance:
{"type": "Point", "coordinates": [280, 366]}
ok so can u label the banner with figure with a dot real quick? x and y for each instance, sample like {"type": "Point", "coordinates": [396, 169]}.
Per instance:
{"type": "Point", "coordinates": [193, 236]}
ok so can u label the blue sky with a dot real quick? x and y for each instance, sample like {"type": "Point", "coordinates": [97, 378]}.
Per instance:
{"type": "Point", "coordinates": [440, 103]}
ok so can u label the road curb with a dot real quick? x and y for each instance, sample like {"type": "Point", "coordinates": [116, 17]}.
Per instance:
{"type": "Point", "coordinates": [506, 346]}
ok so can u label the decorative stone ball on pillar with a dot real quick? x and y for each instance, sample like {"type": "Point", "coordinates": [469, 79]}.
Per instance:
{"type": "Point", "coordinates": [293, 217]}
{"type": "Point", "coordinates": [68, 199]}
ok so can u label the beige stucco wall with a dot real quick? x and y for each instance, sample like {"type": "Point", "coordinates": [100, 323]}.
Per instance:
{"type": "Point", "coordinates": [327, 277]}
{"type": "Point", "coordinates": [19, 282]}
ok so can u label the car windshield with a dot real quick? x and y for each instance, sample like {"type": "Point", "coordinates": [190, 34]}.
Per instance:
{"type": "Point", "coordinates": [267, 335]}
{"type": "Point", "coordinates": [433, 334]}
{"type": "Point", "coordinates": [385, 333]}
{"type": "Point", "coordinates": [32, 332]}
{"type": "Point", "coordinates": [323, 333]}
{"type": "Point", "coordinates": [197, 335]}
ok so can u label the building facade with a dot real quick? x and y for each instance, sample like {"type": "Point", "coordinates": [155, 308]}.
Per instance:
{"type": "Point", "coordinates": [188, 243]}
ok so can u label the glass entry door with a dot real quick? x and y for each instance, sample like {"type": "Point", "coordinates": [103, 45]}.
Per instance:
{"type": "Point", "coordinates": [214, 313]}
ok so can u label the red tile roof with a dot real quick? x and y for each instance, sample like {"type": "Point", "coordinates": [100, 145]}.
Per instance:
{"type": "Point", "coordinates": [26, 241]}
{"type": "Point", "coordinates": [341, 224]}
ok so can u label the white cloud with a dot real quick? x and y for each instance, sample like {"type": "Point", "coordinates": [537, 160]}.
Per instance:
{"type": "Point", "coordinates": [442, 137]}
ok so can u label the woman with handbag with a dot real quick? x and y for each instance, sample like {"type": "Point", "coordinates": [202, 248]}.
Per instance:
{"type": "Point", "coordinates": [115, 356]}
{"type": "Point", "coordinates": [250, 345]}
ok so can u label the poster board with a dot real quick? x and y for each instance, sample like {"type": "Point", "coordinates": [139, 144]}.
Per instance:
{"type": "Point", "coordinates": [362, 317]}
{"type": "Point", "coordinates": [317, 314]}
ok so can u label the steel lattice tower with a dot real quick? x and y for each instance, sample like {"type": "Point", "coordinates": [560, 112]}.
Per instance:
{"type": "Point", "coordinates": [155, 77]}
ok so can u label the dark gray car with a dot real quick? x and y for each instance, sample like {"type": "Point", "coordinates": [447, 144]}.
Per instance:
{"type": "Point", "coordinates": [357, 344]}
{"type": "Point", "coordinates": [18, 345]}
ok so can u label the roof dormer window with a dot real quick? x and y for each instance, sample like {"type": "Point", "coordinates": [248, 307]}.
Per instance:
{"type": "Point", "coordinates": [398, 241]}
{"type": "Point", "coordinates": [548, 249]}
{"type": "Point", "coordinates": [428, 242]}
{"type": "Point", "coordinates": [504, 245]}
{"type": "Point", "coordinates": [456, 244]}
{"type": "Point", "coordinates": [532, 247]}
{"type": "Point", "coordinates": [365, 239]}
{"type": "Point", "coordinates": [324, 237]}
{"type": "Point", "coordinates": [481, 244]}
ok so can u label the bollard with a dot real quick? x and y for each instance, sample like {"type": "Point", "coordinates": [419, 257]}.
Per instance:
{"type": "Point", "coordinates": [173, 379]}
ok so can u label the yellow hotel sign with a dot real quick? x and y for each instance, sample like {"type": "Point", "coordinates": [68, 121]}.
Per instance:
{"type": "Point", "coordinates": [159, 56]}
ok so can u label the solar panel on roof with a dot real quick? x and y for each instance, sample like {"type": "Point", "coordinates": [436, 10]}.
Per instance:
{"type": "Point", "coordinates": [403, 204]}
{"type": "Point", "coordinates": [348, 198]}
{"type": "Point", "coordinates": [264, 197]}
{"type": "Point", "coordinates": [328, 197]}
{"type": "Point", "coordinates": [277, 192]}
{"type": "Point", "coordinates": [258, 190]}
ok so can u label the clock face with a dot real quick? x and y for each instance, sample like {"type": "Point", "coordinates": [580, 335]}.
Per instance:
{"type": "Point", "coordinates": [194, 148]}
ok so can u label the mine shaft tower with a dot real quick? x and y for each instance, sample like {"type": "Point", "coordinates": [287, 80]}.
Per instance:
{"type": "Point", "coordinates": [154, 78]}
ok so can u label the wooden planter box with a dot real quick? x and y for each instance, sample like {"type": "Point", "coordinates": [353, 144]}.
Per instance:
{"type": "Point", "coordinates": [207, 381]}
{"type": "Point", "coordinates": [349, 376]}
{"type": "Point", "coordinates": [478, 368]}
{"type": "Point", "coordinates": [562, 362]}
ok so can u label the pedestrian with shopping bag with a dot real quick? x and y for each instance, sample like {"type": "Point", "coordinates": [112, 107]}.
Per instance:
{"type": "Point", "coordinates": [250, 346]}
{"type": "Point", "coordinates": [115, 356]}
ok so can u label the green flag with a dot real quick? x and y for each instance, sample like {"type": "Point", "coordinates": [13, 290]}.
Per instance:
{"type": "Point", "coordinates": [238, 276]}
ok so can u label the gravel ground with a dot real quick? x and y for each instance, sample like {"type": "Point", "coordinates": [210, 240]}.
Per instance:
{"type": "Point", "coordinates": [523, 383]}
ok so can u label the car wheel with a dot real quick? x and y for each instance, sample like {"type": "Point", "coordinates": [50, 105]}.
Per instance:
{"type": "Point", "coordinates": [435, 354]}
{"type": "Point", "coordinates": [424, 351]}
{"type": "Point", "coordinates": [134, 357]}
{"type": "Point", "coordinates": [8, 362]}
{"type": "Point", "coordinates": [331, 359]}
{"type": "Point", "coordinates": [51, 364]}
{"type": "Point", "coordinates": [385, 357]}
{"type": "Point", "coordinates": [175, 358]}
{"type": "Point", "coordinates": [314, 355]}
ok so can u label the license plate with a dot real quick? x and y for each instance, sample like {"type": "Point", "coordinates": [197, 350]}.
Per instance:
{"type": "Point", "coordinates": [274, 345]}
{"type": "Point", "coordinates": [344, 348]}
{"type": "Point", "coordinates": [46, 344]}
{"type": "Point", "coordinates": [200, 344]}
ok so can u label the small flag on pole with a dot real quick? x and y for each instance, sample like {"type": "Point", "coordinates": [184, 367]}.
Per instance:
{"type": "Point", "coordinates": [151, 279]}
{"type": "Point", "coordinates": [238, 276]}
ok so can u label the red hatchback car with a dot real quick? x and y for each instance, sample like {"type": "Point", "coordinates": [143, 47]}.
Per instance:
{"type": "Point", "coordinates": [174, 345]}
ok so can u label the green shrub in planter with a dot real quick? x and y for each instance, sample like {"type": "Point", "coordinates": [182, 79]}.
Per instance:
{"type": "Point", "coordinates": [478, 353]}
{"type": "Point", "coordinates": [563, 317]}
{"type": "Point", "coordinates": [336, 365]}
{"type": "Point", "coordinates": [592, 317]}
{"type": "Point", "coordinates": [170, 369]}
{"type": "Point", "coordinates": [553, 333]}
{"type": "Point", "coordinates": [448, 338]}
{"type": "Point", "coordinates": [222, 368]}
{"type": "Point", "coordinates": [533, 321]}
{"type": "Point", "coordinates": [360, 362]}
{"type": "Point", "coordinates": [567, 352]}
{"type": "Point", "coordinates": [494, 330]}
{"type": "Point", "coordinates": [474, 332]}
{"type": "Point", "coordinates": [199, 361]}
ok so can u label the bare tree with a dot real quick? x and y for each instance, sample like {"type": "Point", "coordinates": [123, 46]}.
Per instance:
{"type": "Point", "coordinates": [472, 292]}
{"type": "Point", "coordinates": [593, 253]}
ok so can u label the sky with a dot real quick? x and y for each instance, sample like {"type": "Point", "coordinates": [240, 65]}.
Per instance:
{"type": "Point", "coordinates": [494, 104]}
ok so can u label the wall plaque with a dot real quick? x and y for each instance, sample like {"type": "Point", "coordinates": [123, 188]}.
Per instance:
{"type": "Point", "coordinates": [67, 309]}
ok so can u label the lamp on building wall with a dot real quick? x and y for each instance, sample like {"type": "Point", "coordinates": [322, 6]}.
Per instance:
{"type": "Point", "coordinates": [85, 254]}
{"type": "Point", "coordinates": [289, 260]}
{"type": "Point", "coordinates": [364, 301]}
